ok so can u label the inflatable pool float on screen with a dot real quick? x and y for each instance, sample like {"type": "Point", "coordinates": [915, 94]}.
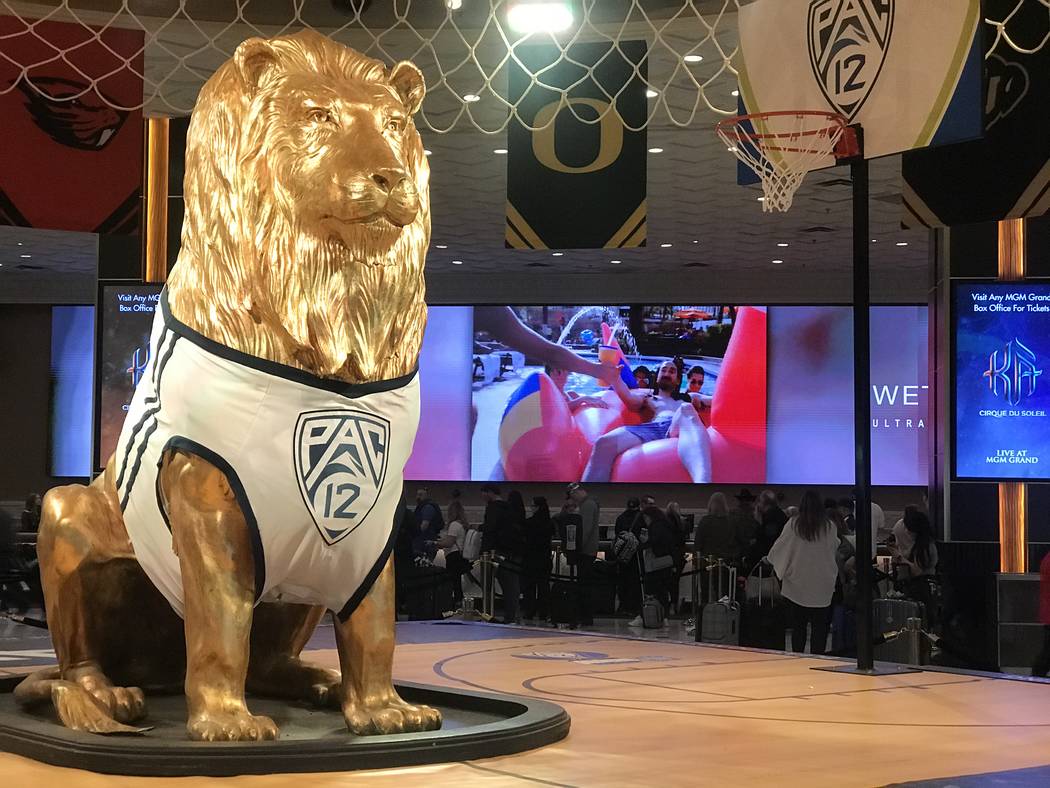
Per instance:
{"type": "Point", "coordinates": [541, 440]}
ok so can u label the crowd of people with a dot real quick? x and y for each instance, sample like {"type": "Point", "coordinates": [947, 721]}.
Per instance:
{"type": "Point", "coordinates": [811, 548]}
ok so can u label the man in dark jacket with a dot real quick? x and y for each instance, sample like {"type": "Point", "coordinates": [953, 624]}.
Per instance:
{"type": "Point", "coordinates": [587, 547]}
{"type": "Point", "coordinates": [629, 581]}
{"type": "Point", "coordinates": [500, 534]}
{"type": "Point", "coordinates": [429, 523]}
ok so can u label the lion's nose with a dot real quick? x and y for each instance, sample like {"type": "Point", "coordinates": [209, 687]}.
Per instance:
{"type": "Point", "coordinates": [388, 179]}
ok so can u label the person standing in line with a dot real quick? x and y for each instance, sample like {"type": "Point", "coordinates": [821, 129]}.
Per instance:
{"type": "Point", "coordinates": [539, 531]}
{"type": "Point", "coordinates": [628, 579]}
{"type": "Point", "coordinates": [804, 558]}
{"type": "Point", "coordinates": [500, 535]}
{"type": "Point", "coordinates": [429, 524]}
{"type": "Point", "coordinates": [587, 547]}
{"type": "Point", "coordinates": [715, 533]}
{"type": "Point", "coordinates": [451, 539]}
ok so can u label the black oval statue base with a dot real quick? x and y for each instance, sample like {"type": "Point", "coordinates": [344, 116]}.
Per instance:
{"type": "Point", "coordinates": [476, 725]}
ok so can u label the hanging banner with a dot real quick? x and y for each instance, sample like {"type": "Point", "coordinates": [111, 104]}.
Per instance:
{"type": "Point", "coordinates": [573, 184]}
{"type": "Point", "coordinates": [70, 157]}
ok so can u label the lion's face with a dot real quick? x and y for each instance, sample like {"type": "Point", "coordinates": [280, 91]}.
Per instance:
{"type": "Point", "coordinates": [340, 152]}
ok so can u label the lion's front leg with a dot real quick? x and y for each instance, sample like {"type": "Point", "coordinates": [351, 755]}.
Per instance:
{"type": "Point", "coordinates": [210, 535]}
{"type": "Point", "coordinates": [366, 656]}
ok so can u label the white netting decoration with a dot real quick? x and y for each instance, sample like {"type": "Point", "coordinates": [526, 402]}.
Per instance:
{"type": "Point", "coordinates": [1025, 29]}
{"type": "Point", "coordinates": [464, 47]}
{"type": "Point", "coordinates": [781, 147]}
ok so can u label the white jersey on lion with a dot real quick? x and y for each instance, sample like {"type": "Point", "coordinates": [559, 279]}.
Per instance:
{"type": "Point", "coordinates": [315, 464]}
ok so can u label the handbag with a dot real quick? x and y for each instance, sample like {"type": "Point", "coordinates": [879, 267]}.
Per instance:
{"type": "Point", "coordinates": [655, 563]}
{"type": "Point", "coordinates": [759, 588]}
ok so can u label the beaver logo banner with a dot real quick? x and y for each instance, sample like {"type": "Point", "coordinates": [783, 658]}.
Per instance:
{"type": "Point", "coordinates": [578, 180]}
{"type": "Point", "coordinates": [70, 157]}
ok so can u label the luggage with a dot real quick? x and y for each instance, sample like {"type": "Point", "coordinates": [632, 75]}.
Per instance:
{"type": "Point", "coordinates": [428, 593]}
{"type": "Point", "coordinates": [652, 613]}
{"type": "Point", "coordinates": [843, 631]}
{"type": "Point", "coordinates": [763, 616]}
{"type": "Point", "coordinates": [603, 587]}
{"type": "Point", "coordinates": [891, 615]}
{"type": "Point", "coordinates": [720, 618]}
{"type": "Point", "coordinates": [625, 546]}
{"type": "Point", "coordinates": [565, 602]}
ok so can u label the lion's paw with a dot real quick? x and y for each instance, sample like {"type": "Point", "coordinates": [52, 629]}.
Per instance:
{"type": "Point", "coordinates": [392, 716]}
{"type": "Point", "coordinates": [231, 726]}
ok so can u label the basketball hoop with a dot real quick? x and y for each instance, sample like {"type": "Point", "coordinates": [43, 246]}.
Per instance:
{"type": "Point", "coordinates": [781, 147]}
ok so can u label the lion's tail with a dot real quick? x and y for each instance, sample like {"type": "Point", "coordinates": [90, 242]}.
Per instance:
{"type": "Point", "coordinates": [76, 707]}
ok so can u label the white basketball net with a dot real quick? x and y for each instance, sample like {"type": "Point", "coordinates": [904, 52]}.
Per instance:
{"type": "Point", "coordinates": [781, 148]}
{"type": "Point", "coordinates": [465, 49]}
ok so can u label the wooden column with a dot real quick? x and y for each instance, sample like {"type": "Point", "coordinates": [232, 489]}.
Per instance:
{"type": "Point", "coordinates": [156, 240]}
{"type": "Point", "coordinates": [1013, 496]}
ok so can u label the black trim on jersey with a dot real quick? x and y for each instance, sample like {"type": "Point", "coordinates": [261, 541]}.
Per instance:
{"type": "Point", "coordinates": [377, 568]}
{"type": "Point", "coordinates": [349, 390]}
{"type": "Point", "coordinates": [151, 412]}
{"type": "Point", "coordinates": [255, 539]}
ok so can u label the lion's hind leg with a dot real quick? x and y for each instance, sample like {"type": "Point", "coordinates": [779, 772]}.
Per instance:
{"type": "Point", "coordinates": [80, 528]}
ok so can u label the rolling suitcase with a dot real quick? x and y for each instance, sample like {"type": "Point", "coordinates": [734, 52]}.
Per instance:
{"type": "Point", "coordinates": [720, 618]}
{"type": "Point", "coordinates": [565, 597]}
{"type": "Point", "coordinates": [652, 610]}
{"type": "Point", "coordinates": [762, 619]}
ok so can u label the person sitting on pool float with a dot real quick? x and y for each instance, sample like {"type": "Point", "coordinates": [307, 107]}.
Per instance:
{"type": "Point", "coordinates": [694, 383]}
{"type": "Point", "coordinates": [559, 377]}
{"type": "Point", "coordinates": [666, 412]}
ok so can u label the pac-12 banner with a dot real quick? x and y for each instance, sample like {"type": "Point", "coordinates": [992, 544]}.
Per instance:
{"type": "Point", "coordinates": [908, 71]}
{"type": "Point", "coordinates": [70, 158]}
{"type": "Point", "coordinates": [573, 184]}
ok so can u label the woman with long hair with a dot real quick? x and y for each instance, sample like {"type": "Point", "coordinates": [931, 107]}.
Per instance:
{"type": "Point", "coordinates": [717, 535]}
{"type": "Point", "coordinates": [451, 539]}
{"type": "Point", "coordinates": [916, 558]}
{"type": "Point", "coordinates": [804, 560]}
{"type": "Point", "coordinates": [539, 531]}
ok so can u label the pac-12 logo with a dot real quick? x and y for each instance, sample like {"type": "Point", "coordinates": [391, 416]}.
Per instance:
{"type": "Point", "coordinates": [848, 40]}
{"type": "Point", "coordinates": [340, 463]}
{"type": "Point", "coordinates": [1011, 372]}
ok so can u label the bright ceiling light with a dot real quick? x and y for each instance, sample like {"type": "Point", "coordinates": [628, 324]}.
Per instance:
{"type": "Point", "coordinates": [696, 241]}
{"type": "Point", "coordinates": [457, 262]}
{"type": "Point", "coordinates": [531, 18]}
{"type": "Point", "coordinates": [19, 243]}
{"type": "Point", "coordinates": [732, 149]}
{"type": "Point", "coordinates": [874, 240]}
{"type": "Point", "coordinates": [693, 58]}
{"type": "Point", "coordinates": [427, 151]}
{"type": "Point", "coordinates": [441, 246]}
{"type": "Point", "coordinates": [902, 243]}
{"type": "Point", "coordinates": [615, 262]}
{"type": "Point", "coordinates": [500, 151]}
{"type": "Point", "coordinates": [761, 199]}
{"type": "Point", "coordinates": [470, 98]}
{"type": "Point", "coordinates": [656, 150]}
{"type": "Point", "coordinates": [735, 93]}
{"type": "Point", "coordinates": [557, 254]}
{"type": "Point", "coordinates": [777, 262]}
{"type": "Point", "coordinates": [650, 93]}
{"type": "Point", "coordinates": [781, 244]}
{"type": "Point", "coordinates": [25, 256]}
{"type": "Point", "coordinates": [664, 246]}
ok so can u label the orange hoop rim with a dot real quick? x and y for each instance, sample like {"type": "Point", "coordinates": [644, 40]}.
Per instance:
{"type": "Point", "coordinates": [845, 147]}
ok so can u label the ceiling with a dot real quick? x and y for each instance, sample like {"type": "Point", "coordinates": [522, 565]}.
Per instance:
{"type": "Point", "coordinates": [721, 242]}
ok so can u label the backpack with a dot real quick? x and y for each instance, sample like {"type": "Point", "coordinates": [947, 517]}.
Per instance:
{"type": "Point", "coordinates": [625, 546]}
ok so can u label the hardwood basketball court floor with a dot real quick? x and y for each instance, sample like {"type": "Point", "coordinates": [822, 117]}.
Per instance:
{"type": "Point", "coordinates": [663, 713]}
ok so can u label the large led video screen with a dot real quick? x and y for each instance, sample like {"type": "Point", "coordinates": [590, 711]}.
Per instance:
{"type": "Point", "coordinates": [730, 394]}
{"type": "Point", "coordinates": [1002, 347]}
{"type": "Point", "coordinates": [72, 359]}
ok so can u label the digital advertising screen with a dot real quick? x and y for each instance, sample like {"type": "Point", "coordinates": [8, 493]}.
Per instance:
{"type": "Point", "coordinates": [724, 393]}
{"type": "Point", "coordinates": [1002, 347]}
{"type": "Point", "coordinates": [72, 359]}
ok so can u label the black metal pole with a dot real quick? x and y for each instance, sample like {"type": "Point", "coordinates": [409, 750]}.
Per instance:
{"type": "Point", "coordinates": [862, 404]}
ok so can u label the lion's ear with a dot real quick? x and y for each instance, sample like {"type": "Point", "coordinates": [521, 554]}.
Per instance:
{"type": "Point", "coordinates": [256, 59]}
{"type": "Point", "coordinates": [407, 80]}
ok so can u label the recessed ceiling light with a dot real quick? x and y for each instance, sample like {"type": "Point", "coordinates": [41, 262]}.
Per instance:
{"type": "Point", "coordinates": [777, 262]}
{"type": "Point", "coordinates": [441, 246]}
{"type": "Point", "coordinates": [457, 262]}
{"type": "Point", "coordinates": [25, 256]}
{"type": "Point", "coordinates": [615, 262]}
{"type": "Point", "coordinates": [761, 199]}
{"type": "Point", "coordinates": [695, 241]}
{"type": "Point", "coordinates": [664, 246]}
{"type": "Point", "coordinates": [656, 150]}
{"type": "Point", "coordinates": [499, 151]}
{"type": "Point", "coordinates": [539, 17]}
{"type": "Point", "coordinates": [470, 98]}
{"type": "Point", "coordinates": [19, 243]}
{"type": "Point", "coordinates": [557, 254]}
{"type": "Point", "coordinates": [902, 243]}
{"type": "Point", "coordinates": [735, 93]}
{"type": "Point", "coordinates": [874, 240]}
{"type": "Point", "coordinates": [427, 152]}
{"type": "Point", "coordinates": [693, 58]}
{"type": "Point", "coordinates": [781, 244]}
{"type": "Point", "coordinates": [650, 93]}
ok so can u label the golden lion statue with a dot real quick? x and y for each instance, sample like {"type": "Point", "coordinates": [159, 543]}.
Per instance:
{"type": "Point", "coordinates": [259, 469]}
